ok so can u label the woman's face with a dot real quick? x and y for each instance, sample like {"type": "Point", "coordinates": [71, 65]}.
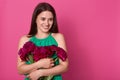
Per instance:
{"type": "Point", "coordinates": [44, 21]}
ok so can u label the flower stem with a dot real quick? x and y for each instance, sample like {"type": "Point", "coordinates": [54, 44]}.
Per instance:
{"type": "Point", "coordinates": [30, 56]}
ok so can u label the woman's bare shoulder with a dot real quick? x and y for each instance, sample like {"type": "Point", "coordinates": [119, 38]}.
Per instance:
{"type": "Point", "coordinates": [58, 35]}
{"type": "Point", "coordinates": [23, 40]}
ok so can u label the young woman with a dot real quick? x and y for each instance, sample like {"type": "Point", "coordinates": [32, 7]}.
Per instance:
{"type": "Point", "coordinates": [43, 32]}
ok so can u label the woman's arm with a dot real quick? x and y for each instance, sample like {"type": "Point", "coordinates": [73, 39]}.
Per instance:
{"type": "Point", "coordinates": [24, 68]}
{"type": "Point", "coordinates": [62, 67]}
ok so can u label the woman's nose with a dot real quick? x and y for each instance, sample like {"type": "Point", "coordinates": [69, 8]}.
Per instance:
{"type": "Point", "coordinates": [47, 22]}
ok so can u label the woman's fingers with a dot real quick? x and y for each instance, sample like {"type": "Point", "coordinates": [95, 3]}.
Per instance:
{"type": "Point", "coordinates": [52, 65]}
{"type": "Point", "coordinates": [28, 76]}
{"type": "Point", "coordinates": [52, 62]}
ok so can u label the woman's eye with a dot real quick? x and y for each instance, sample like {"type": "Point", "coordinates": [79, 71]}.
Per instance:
{"type": "Point", "coordinates": [51, 19]}
{"type": "Point", "coordinates": [43, 19]}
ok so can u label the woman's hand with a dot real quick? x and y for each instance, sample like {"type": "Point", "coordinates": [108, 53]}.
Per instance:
{"type": "Point", "coordinates": [35, 75]}
{"type": "Point", "coordinates": [45, 63]}
{"type": "Point", "coordinates": [42, 63]}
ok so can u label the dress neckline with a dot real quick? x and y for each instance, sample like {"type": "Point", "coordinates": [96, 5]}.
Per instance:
{"type": "Point", "coordinates": [42, 38]}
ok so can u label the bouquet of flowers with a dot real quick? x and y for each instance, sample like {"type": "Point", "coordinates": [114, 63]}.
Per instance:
{"type": "Point", "coordinates": [32, 53]}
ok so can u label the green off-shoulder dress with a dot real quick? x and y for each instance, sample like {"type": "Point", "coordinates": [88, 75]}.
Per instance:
{"type": "Point", "coordinates": [48, 41]}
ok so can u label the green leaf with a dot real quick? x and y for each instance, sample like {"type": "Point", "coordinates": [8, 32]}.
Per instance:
{"type": "Point", "coordinates": [48, 77]}
{"type": "Point", "coordinates": [30, 56]}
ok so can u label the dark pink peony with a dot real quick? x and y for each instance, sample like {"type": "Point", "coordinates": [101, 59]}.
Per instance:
{"type": "Point", "coordinates": [41, 52]}
{"type": "Point", "coordinates": [60, 52]}
{"type": "Point", "coordinates": [32, 53]}
{"type": "Point", "coordinates": [28, 47]}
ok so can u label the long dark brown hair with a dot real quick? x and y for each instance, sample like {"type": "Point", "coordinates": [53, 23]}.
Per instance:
{"type": "Point", "coordinates": [38, 9]}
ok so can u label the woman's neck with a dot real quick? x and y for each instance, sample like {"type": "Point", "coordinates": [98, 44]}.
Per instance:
{"type": "Point", "coordinates": [42, 35]}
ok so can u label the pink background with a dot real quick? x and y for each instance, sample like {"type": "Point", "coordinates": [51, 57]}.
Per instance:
{"type": "Point", "coordinates": [91, 29]}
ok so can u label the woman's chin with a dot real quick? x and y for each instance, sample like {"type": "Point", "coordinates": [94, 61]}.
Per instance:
{"type": "Point", "coordinates": [46, 30]}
